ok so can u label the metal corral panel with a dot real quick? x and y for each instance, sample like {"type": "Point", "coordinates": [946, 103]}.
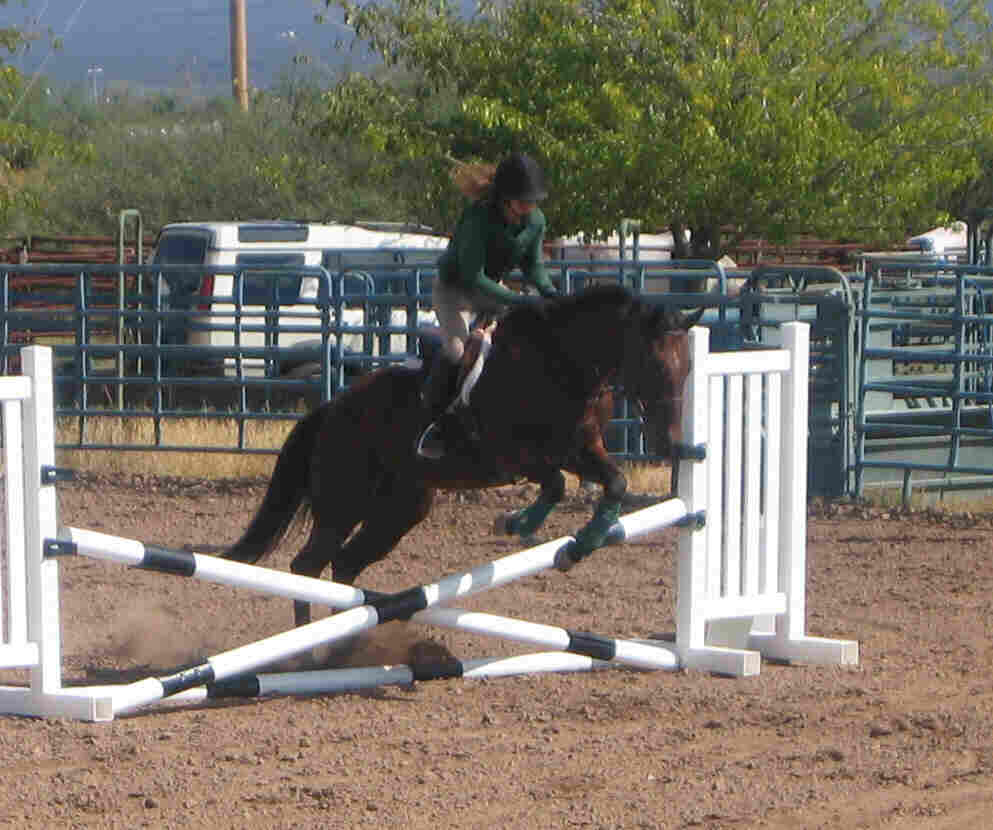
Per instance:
{"type": "Point", "coordinates": [823, 298]}
{"type": "Point", "coordinates": [924, 392]}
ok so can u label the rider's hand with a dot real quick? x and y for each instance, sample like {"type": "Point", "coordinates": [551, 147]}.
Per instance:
{"type": "Point", "coordinates": [535, 302]}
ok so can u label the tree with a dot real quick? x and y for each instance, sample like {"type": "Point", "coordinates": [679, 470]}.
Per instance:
{"type": "Point", "coordinates": [23, 142]}
{"type": "Point", "coordinates": [770, 117]}
{"type": "Point", "coordinates": [967, 194]}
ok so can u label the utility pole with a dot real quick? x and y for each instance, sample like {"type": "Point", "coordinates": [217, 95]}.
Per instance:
{"type": "Point", "coordinates": [239, 54]}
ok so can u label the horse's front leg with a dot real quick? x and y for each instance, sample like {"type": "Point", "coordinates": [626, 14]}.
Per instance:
{"type": "Point", "coordinates": [595, 464]}
{"type": "Point", "coordinates": [525, 522]}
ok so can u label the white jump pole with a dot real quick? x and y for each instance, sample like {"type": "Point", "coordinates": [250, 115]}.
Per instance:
{"type": "Point", "coordinates": [214, 569]}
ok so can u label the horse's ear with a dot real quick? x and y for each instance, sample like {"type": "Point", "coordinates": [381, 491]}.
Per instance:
{"type": "Point", "coordinates": [687, 321]}
{"type": "Point", "coordinates": [659, 318]}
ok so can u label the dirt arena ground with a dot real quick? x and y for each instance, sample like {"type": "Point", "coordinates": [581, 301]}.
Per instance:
{"type": "Point", "coordinates": [905, 740]}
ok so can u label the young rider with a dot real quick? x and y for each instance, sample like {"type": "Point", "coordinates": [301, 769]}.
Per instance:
{"type": "Point", "coordinates": [502, 229]}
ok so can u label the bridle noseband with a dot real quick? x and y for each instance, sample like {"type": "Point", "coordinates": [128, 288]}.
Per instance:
{"type": "Point", "coordinates": [634, 370]}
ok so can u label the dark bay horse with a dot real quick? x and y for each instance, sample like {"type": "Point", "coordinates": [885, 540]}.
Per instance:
{"type": "Point", "coordinates": [540, 407]}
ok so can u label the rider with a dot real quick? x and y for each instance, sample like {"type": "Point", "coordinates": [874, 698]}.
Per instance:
{"type": "Point", "coordinates": [502, 229]}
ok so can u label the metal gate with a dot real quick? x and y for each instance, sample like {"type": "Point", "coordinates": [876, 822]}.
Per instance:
{"type": "Point", "coordinates": [925, 376]}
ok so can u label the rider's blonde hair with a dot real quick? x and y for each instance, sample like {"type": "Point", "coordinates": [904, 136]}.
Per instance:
{"type": "Point", "coordinates": [474, 181]}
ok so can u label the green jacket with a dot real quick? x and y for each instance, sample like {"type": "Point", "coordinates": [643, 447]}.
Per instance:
{"type": "Point", "coordinates": [484, 249]}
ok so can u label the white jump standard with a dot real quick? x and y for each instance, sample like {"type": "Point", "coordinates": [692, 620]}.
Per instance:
{"type": "Point", "coordinates": [741, 577]}
{"type": "Point", "coordinates": [741, 580]}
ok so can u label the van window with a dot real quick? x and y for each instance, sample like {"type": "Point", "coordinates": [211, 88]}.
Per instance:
{"type": "Point", "coordinates": [180, 249]}
{"type": "Point", "coordinates": [274, 232]}
{"type": "Point", "coordinates": [268, 288]}
{"type": "Point", "coordinates": [356, 268]}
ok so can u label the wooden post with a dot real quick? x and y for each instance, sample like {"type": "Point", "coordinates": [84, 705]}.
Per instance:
{"type": "Point", "coordinates": [239, 54]}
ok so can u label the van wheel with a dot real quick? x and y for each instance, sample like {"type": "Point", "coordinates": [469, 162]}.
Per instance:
{"type": "Point", "coordinates": [301, 370]}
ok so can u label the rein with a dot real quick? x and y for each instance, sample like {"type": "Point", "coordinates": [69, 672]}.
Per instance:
{"type": "Point", "coordinates": [633, 372]}
{"type": "Point", "coordinates": [631, 376]}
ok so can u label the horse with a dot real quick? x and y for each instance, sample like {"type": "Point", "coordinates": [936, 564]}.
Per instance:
{"type": "Point", "coordinates": [540, 407]}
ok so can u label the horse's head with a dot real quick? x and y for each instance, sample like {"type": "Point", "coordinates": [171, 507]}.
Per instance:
{"type": "Point", "coordinates": [655, 369]}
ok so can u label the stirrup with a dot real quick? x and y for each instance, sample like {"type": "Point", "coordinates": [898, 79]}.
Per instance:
{"type": "Point", "coordinates": [431, 444]}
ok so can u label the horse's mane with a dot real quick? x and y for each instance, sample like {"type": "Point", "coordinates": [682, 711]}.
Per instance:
{"type": "Point", "coordinates": [602, 299]}
{"type": "Point", "coordinates": [579, 319]}
{"type": "Point", "coordinates": [627, 305]}
{"type": "Point", "coordinates": [607, 309]}
{"type": "Point", "coordinates": [576, 333]}
{"type": "Point", "coordinates": [599, 298]}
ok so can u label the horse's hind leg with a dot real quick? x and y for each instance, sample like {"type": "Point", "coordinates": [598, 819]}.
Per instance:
{"type": "Point", "coordinates": [396, 509]}
{"type": "Point", "coordinates": [386, 518]}
{"type": "Point", "coordinates": [525, 522]}
{"type": "Point", "coordinates": [322, 547]}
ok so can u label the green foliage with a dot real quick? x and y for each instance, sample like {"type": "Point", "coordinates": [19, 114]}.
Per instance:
{"type": "Point", "coordinates": [216, 163]}
{"type": "Point", "coordinates": [25, 138]}
{"type": "Point", "coordinates": [11, 38]}
{"type": "Point", "coordinates": [26, 142]}
{"type": "Point", "coordinates": [769, 116]}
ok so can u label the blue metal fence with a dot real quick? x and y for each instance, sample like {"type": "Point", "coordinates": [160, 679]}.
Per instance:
{"type": "Point", "coordinates": [134, 342]}
{"type": "Point", "coordinates": [925, 376]}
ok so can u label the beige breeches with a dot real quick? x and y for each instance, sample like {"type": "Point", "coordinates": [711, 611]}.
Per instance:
{"type": "Point", "coordinates": [455, 310]}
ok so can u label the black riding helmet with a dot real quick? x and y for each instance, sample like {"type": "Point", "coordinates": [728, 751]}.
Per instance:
{"type": "Point", "coordinates": [518, 176]}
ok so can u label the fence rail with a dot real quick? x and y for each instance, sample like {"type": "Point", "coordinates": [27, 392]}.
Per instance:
{"type": "Point", "coordinates": [136, 343]}
{"type": "Point", "coordinates": [924, 389]}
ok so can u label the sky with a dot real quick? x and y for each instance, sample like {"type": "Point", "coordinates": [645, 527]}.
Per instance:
{"type": "Point", "coordinates": [156, 44]}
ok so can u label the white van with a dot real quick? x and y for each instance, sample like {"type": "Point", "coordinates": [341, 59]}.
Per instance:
{"type": "Point", "coordinates": [290, 298]}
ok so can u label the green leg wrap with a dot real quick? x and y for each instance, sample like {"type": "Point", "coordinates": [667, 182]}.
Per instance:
{"type": "Point", "coordinates": [526, 522]}
{"type": "Point", "coordinates": [594, 534]}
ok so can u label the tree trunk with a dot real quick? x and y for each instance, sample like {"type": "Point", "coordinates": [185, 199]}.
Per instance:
{"type": "Point", "coordinates": [705, 243]}
{"type": "Point", "coordinates": [972, 240]}
{"type": "Point", "coordinates": [679, 248]}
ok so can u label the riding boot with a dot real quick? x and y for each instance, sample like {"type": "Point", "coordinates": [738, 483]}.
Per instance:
{"type": "Point", "coordinates": [436, 395]}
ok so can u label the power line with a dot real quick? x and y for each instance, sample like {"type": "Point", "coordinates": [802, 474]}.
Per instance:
{"type": "Point", "coordinates": [70, 22]}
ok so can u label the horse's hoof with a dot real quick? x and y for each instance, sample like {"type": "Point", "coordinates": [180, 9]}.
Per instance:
{"type": "Point", "coordinates": [501, 525]}
{"type": "Point", "coordinates": [566, 559]}
{"type": "Point", "coordinates": [513, 524]}
{"type": "Point", "coordinates": [526, 522]}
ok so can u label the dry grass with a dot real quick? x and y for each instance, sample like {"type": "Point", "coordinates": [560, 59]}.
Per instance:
{"type": "Point", "coordinates": [958, 501]}
{"type": "Point", "coordinates": [210, 432]}
{"type": "Point", "coordinates": [220, 432]}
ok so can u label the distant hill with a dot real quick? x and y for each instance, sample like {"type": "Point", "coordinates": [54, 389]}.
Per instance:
{"type": "Point", "coordinates": [152, 45]}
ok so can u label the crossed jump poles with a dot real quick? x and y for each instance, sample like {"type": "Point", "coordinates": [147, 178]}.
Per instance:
{"type": "Point", "coordinates": [229, 673]}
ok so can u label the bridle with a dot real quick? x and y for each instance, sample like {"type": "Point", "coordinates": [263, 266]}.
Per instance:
{"type": "Point", "coordinates": [635, 369]}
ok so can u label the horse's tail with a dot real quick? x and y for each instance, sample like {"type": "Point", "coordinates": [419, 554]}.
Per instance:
{"type": "Point", "coordinates": [288, 492]}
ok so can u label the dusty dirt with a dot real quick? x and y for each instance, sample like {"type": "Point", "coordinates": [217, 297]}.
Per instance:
{"type": "Point", "coordinates": [905, 740]}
